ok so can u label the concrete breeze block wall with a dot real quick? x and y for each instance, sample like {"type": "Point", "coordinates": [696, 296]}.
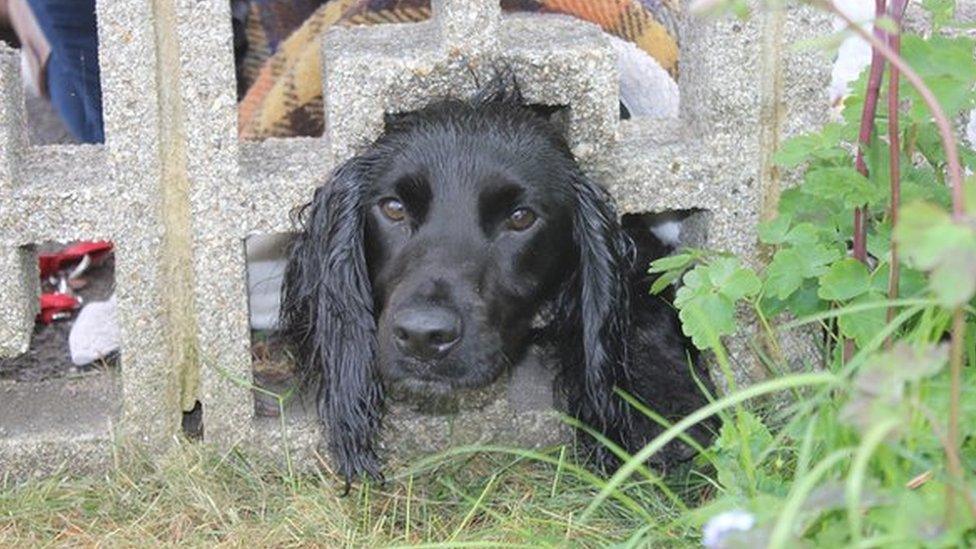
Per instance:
{"type": "Point", "coordinates": [178, 194]}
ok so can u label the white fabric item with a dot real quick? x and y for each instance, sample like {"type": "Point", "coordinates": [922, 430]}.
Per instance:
{"type": "Point", "coordinates": [266, 259]}
{"type": "Point", "coordinates": [971, 130]}
{"type": "Point", "coordinates": [854, 53]}
{"type": "Point", "coordinates": [668, 232]}
{"type": "Point", "coordinates": [32, 83]}
{"type": "Point", "coordinates": [646, 89]}
{"type": "Point", "coordinates": [95, 333]}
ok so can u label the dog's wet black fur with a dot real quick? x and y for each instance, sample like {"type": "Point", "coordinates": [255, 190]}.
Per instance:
{"type": "Point", "coordinates": [424, 262]}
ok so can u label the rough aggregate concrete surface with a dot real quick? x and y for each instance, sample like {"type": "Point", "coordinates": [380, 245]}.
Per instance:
{"type": "Point", "coordinates": [178, 194]}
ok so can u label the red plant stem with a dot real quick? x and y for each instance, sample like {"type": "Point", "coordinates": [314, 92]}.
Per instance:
{"type": "Point", "coordinates": [953, 165]}
{"type": "Point", "coordinates": [864, 135]}
{"type": "Point", "coordinates": [860, 244]}
{"type": "Point", "coordinates": [894, 149]}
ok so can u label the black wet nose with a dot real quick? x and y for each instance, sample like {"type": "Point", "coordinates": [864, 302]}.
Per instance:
{"type": "Point", "coordinates": [426, 333]}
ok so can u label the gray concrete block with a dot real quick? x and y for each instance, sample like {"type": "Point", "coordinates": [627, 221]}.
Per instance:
{"type": "Point", "coordinates": [63, 196]}
{"type": "Point", "coordinates": [576, 68]}
{"type": "Point", "coordinates": [13, 119]}
{"type": "Point", "coordinates": [178, 194]}
{"type": "Point", "coordinates": [387, 69]}
{"type": "Point", "coordinates": [966, 11]}
{"type": "Point", "coordinates": [463, 24]}
{"type": "Point", "coordinates": [58, 425]}
{"type": "Point", "coordinates": [16, 283]}
{"type": "Point", "coordinates": [208, 123]}
{"type": "Point", "coordinates": [131, 77]}
{"type": "Point", "coordinates": [722, 67]}
{"type": "Point", "coordinates": [19, 286]}
{"type": "Point", "coordinates": [802, 100]}
{"type": "Point", "coordinates": [278, 175]}
{"type": "Point", "coordinates": [114, 191]}
{"type": "Point", "coordinates": [712, 173]}
{"type": "Point", "coordinates": [372, 70]}
{"type": "Point", "coordinates": [516, 411]}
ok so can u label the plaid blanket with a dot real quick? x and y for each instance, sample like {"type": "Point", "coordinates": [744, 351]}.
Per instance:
{"type": "Point", "coordinates": [282, 70]}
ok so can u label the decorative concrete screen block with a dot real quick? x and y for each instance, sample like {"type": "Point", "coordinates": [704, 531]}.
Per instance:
{"type": "Point", "coordinates": [375, 70]}
{"type": "Point", "coordinates": [712, 158]}
{"type": "Point", "coordinates": [178, 194]}
{"type": "Point", "coordinates": [115, 191]}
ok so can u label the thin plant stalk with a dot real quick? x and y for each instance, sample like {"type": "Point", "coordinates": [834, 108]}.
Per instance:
{"type": "Point", "coordinates": [894, 149]}
{"type": "Point", "coordinates": [868, 113]}
{"type": "Point", "coordinates": [954, 169]}
{"type": "Point", "coordinates": [954, 460]}
{"type": "Point", "coordinates": [866, 129]}
{"type": "Point", "coordinates": [955, 387]}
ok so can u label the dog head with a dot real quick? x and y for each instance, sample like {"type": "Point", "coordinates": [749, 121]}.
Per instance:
{"type": "Point", "coordinates": [425, 259]}
{"type": "Point", "coordinates": [468, 227]}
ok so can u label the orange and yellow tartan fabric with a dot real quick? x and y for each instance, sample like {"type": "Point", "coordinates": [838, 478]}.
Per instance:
{"type": "Point", "coordinates": [285, 98]}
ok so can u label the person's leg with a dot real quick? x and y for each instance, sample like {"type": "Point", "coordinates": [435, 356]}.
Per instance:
{"type": "Point", "coordinates": [34, 46]}
{"type": "Point", "coordinates": [72, 71]}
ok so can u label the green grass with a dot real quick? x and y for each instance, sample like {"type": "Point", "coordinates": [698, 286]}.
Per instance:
{"type": "Point", "coordinates": [193, 497]}
{"type": "Point", "coordinates": [831, 458]}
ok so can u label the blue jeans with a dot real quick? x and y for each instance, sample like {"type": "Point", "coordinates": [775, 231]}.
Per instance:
{"type": "Point", "coordinates": [72, 70]}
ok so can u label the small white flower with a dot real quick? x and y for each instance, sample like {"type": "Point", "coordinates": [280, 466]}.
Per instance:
{"type": "Point", "coordinates": [725, 523]}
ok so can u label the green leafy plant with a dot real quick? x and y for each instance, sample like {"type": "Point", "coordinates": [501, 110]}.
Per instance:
{"type": "Point", "coordinates": [876, 248]}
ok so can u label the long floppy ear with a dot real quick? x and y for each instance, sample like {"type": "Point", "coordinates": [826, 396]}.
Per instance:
{"type": "Point", "coordinates": [327, 315]}
{"type": "Point", "coordinates": [594, 319]}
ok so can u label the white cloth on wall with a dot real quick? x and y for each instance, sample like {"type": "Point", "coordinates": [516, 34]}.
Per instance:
{"type": "Point", "coordinates": [95, 332]}
{"type": "Point", "coordinates": [265, 269]}
{"type": "Point", "coordinates": [854, 53]}
{"type": "Point", "coordinates": [646, 89]}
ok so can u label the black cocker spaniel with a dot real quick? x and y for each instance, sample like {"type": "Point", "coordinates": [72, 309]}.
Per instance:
{"type": "Point", "coordinates": [427, 260]}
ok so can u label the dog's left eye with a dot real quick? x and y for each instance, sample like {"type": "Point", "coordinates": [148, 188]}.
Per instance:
{"type": "Point", "coordinates": [521, 219]}
{"type": "Point", "coordinates": [393, 209]}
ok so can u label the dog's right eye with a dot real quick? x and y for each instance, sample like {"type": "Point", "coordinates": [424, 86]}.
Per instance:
{"type": "Point", "coordinates": [393, 209]}
{"type": "Point", "coordinates": [521, 219]}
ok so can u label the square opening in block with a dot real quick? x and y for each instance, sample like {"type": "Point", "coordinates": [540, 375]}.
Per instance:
{"type": "Point", "coordinates": [76, 330]}
{"type": "Point", "coordinates": [67, 384]}
{"type": "Point", "coordinates": [273, 366]}
{"type": "Point", "coordinates": [656, 234]}
{"type": "Point", "coordinates": [58, 48]}
{"type": "Point", "coordinates": [416, 421]}
{"type": "Point", "coordinates": [526, 389]}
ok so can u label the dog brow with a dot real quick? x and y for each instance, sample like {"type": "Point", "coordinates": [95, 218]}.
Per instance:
{"type": "Point", "coordinates": [415, 191]}
{"type": "Point", "coordinates": [497, 198]}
